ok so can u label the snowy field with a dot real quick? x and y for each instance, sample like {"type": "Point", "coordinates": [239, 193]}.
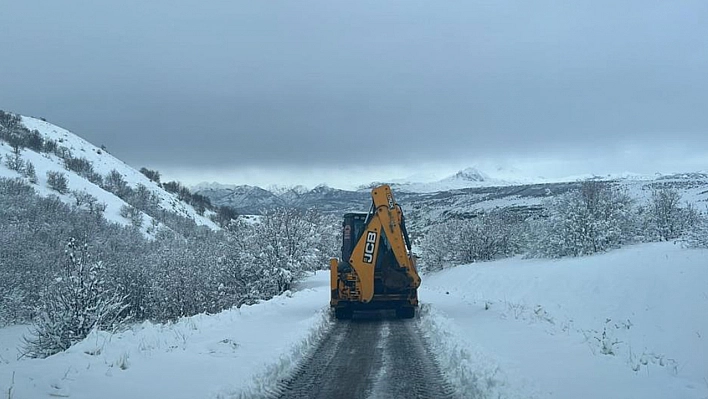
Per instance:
{"type": "Point", "coordinates": [632, 323]}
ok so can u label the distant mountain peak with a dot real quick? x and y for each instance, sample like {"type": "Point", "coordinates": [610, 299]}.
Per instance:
{"type": "Point", "coordinates": [323, 187]}
{"type": "Point", "coordinates": [470, 174]}
{"type": "Point", "coordinates": [287, 190]}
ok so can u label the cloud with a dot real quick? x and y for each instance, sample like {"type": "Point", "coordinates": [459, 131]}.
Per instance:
{"type": "Point", "coordinates": [316, 85]}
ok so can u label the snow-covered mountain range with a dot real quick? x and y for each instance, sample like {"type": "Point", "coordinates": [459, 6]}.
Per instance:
{"type": "Point", "coordinates": [465, 193]}
{"type": "Point", "coordinates": [471, 177]}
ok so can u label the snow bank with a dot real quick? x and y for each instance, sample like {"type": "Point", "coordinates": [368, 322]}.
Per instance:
{"type": "Point", "coordinates": [471, 372]}
{"type": "Point", "coordinates": [626, 324]}
{"type": "Point", "coordinates": [239, 352]}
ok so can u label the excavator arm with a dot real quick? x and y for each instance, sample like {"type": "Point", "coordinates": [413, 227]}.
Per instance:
{"type": "Point", "coordinates": [384, 219]}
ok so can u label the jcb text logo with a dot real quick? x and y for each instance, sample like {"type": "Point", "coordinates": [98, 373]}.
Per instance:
{"type": "Point", "coordinates": [369, 248]}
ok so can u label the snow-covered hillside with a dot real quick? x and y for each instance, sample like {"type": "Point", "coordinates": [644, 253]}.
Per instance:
{"type": "Point", "coordinates": [627, 324]}
{"type": "Point", "coordinates": [102, 162]}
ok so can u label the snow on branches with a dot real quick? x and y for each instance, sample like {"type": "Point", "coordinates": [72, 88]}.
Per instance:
{"type": "Point", "coordinates": [79, 300]}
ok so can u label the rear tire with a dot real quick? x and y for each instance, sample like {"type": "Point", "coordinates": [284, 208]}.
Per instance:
{"type": "Point", "coordinates": [406, 312]}
{"type": "Point", "coordinates": [343, 313]}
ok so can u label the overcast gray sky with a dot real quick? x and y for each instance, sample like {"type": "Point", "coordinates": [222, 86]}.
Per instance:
{"type": "Point", "coordinates": [290, 92]}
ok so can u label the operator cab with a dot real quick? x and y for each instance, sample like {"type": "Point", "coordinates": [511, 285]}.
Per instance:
{"type": "Point", "coordinates": [389, 278]}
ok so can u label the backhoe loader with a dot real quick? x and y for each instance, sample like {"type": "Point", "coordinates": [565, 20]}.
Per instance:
{"type": "Point", "coordinates": [377, 269]}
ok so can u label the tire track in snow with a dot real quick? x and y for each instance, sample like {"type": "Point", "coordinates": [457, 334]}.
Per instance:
{"type": "Point", "coordinates": [410, 369]}
{"type": "Point", "coordinates": [368, 358]}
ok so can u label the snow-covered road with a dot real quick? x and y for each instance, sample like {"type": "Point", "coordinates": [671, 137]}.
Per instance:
{"type": "Point", "coordinates": [373, 356]}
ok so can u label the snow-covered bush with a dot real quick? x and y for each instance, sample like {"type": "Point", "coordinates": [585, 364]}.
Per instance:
{"type": "Point", "coordinates": [595, 218]}
{"type": "Point", "coordinates": [80, 165]}
{"type": "Point", "coordinates": [200, 203]}
{"type": "Point", "coordinates": [175, 276]}
{"type": "Point", "coordinates": [79, 300]}
{"type": "Point", "coordinates": [30, 173]}
{"type": "Point", "coordinates": [224, 216]}
{"type": "Point", "coordinates": [50, 146]}
{"type": "Point", "coordinates": [29, 250]}
{"type": "Point", "coordinates": [33, 140]}
{"type": "Point", "coordinates": [439, 246]}
{"type": "Point", "coordinates": [14, 307]}
{"type": "Point", "coordinates": [698, 235]}
{"type": "Point", "coordinates": [153, 175]}
{"type": "Point", "coordinates": [63, 152]}
{"type": "Point", "coordinates": [134, 266]}
{"type": "Point", "coordinates": [11, 128]}
{"type": "Point", "coordinates": [115, 183]}
{"type": "Point", "coordinates": [57, 181]}
{"type": "Point", "coordinates": [132, 214]}
{"type": "Point", "coordinates": [14, 160]}
{"type": "Point", "coordinates": [665, 218]}
{"type": "Point", "coordinates": [12, 189]}
{"type": "Point", "coordinates": [288, 242]}
{"type": "Point", "coordinates": [17, 135]}
{"type": "Point", "coordinates": [488, 236]}
{"type": "Point", "coordinates": [177, 286]}
{"type": "Point", "coordinates": [144, 199]}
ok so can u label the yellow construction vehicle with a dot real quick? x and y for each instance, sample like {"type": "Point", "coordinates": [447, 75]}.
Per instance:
{"type": "Point", "coordinates": [377, 269]}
